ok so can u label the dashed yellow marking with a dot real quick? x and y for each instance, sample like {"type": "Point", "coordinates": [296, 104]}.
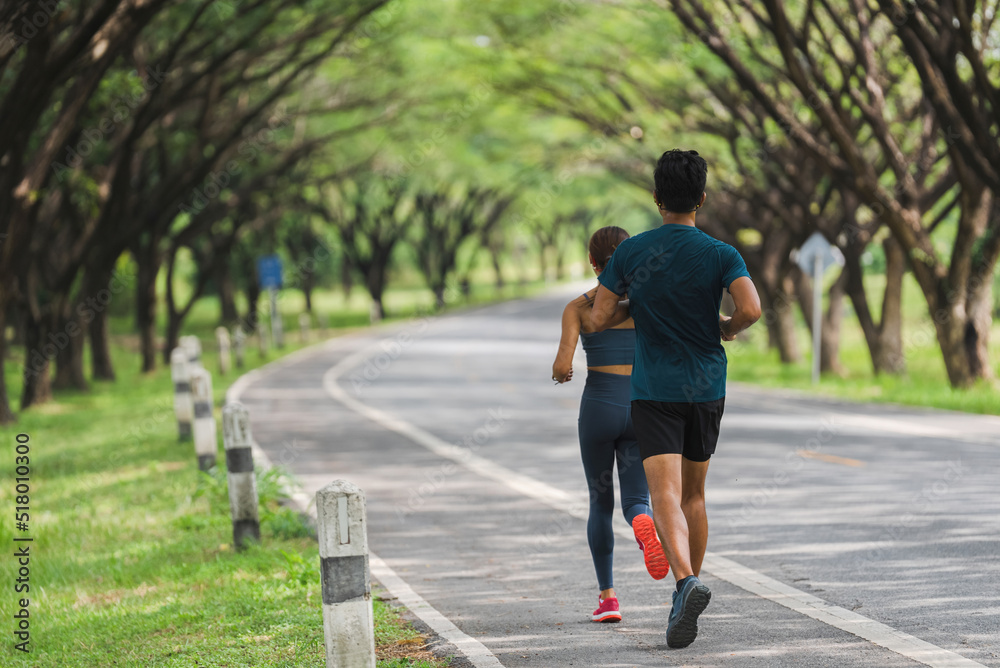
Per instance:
{"type": "Point", "coordinates": [832, 459]}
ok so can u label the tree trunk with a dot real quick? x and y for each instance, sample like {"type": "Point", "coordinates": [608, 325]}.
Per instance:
{"type": "Point", "coordinates": [377, 311]}
{"type": "Point", "coordinates": [961, 311]}
{"type": "Point", "coordinates": [102, 368]}
{"type": "Point", "coordinates": [69, 358]}
{"type": "Point", "coordinates": [346, 279]}
{"type": "Point", "coordinates": [829, 358]}
{"type": "Point", "coordinates": [175, 315]}
{"type": "Point", "coordinates": [438, 289]}
{"type": "Point", "coordinates": [174, 321]}
{"type": "Point", "coordinates": [950, 328]}
{"type": "Point", "coordinates": [227, 292]}
{"type": "Point", "coordinates": [859, 300]}
{"type": "Point", "coordinates": [829, 348]}
{"type": "Point", "coordinates": [15, 319]}
{"type": "Point", "coordinates": [253, 299]}
{"type": "Point", "coordinates": [495, 258]}
{"type": "Point", "coordinates": [375, 281]}
{"type": "Point", "coordinates": [884, 339]}
{"type": "Point", "coordinates": [6, 414]}
{"type": "Point", "coordinates": [780, 321]}
{"type": "Point", "coordinates": [772, 271]}
{"type": "Point", "coordinates": [100, 348]}
{"type": "Point", "coordinates": [37, 388]}
{"type": "Point", "coordinates": [962, 328]}
{"type": "Point", "coordinates": [977, 328]}
{"type": "Point", "coordinates": [768, 314]}
{"type": "Point", "coordinates": [308, 283]}
{"type": "Point", "coordinates": [802, 283]}
{"type": "Point", "coordinates": [889, 357]}
{"type": "Point", "coordinates": [375, 289]}
{"type": "Point", "coordinates": [145, 312]}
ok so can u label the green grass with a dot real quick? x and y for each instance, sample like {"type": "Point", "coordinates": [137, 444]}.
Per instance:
{"type": "Point", "coordinates": [398, 642]}
{"type": "Point", "coordinates": [924, 384]}
{"type": "Point", "coordinates": [131, 563]}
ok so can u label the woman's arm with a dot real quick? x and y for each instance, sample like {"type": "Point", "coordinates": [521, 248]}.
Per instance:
{"type": "Point", "coordinates": [562, 368]}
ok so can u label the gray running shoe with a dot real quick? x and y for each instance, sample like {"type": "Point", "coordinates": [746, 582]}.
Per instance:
{"type": "Point", "coordinates": [689, 602]}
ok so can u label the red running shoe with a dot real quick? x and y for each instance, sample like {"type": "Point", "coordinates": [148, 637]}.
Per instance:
{"type": "Point", "coordinates": [608, 611]}
{"type": "Point", "coordinates": [649, 542]}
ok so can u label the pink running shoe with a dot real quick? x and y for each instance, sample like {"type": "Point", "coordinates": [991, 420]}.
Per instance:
{"type": "Point", "coordinates": [649, 542]}
{"type": "Point", "coordinates": [607, 611]}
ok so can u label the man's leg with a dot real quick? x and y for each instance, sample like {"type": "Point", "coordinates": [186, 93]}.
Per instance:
{"type": "Point", "coordinates": [664, 475]}
{"type": "Point", "coordinates": [701, 436]}
{"type": "Point", "coordinates": [667, 427]}
{"type": "Point", "coordinates": [693, 506]}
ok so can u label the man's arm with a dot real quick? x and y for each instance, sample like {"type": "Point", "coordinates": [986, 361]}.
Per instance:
{"type": "Point", "coordinates": [747, 312]}
{"type": "Point", "coordinates": [608, 311]}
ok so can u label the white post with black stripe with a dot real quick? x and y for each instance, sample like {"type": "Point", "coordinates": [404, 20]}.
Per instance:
{"type": "Point", "coordinates": [205, 435]}
{"type": "Point", "coordinates": [239, 345]}
{"type": "Point", "coordinates": [185, 344]}
{"type": "Point", "coordinates": [243, 501]}
{"type": "Point", "coordinates": [192, 346]}
{"type": "Point", "coordinates": [262, 338]}
{"type": "Point", "coordinates": [348, 619]}
{"type": "Point", "coordinates": [304, 322]}
{"type": "Point", "coordinates": [225, 361]}
{"type": "Point", "coordinates": [183, 407]}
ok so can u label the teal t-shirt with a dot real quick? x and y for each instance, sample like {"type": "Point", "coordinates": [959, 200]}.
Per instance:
{"type": "Point", "coordinates": [674, 277]}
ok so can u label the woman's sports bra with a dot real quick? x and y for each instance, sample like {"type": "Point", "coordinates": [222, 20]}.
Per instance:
{"type": "Point", "coordinates": [610, 347]}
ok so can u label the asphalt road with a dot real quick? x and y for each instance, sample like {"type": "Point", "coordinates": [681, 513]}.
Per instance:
{"type": "Point", "coordinates": [891, 513]}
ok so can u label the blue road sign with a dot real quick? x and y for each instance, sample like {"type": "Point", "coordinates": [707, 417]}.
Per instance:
{"type": "Point", "coordinates": [269, 272]}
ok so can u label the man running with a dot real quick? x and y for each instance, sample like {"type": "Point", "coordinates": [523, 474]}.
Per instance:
{"type": "Point", "coordinates": [674, 277]}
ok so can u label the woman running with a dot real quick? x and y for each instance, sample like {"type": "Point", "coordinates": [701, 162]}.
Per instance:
{"type": "Point", "coordinates": [606, 433]}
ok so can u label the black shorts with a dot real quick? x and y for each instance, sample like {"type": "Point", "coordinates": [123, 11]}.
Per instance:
{"type": "Point", "coordinates": [677, 428]}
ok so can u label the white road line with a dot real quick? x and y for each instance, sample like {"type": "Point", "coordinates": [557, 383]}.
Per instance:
{"type": "Point", "coordinates": [473, 650]}
{"type": "Point", "coordinates": [720, 567]}
{"type": "Point", "coordinates": [841, 618]}
{"type": "Point", "coordinates": [241, 384]}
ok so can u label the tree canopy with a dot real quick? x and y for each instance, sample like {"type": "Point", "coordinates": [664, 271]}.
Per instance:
{"type": "Point", "coordinates": [340, 135]}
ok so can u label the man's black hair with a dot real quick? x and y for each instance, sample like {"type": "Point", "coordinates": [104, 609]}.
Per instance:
{"type": "Point", "coordinates": [680, 180]}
